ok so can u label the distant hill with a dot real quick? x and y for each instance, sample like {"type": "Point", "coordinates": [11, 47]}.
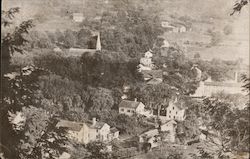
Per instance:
{"type": "Point", "coordinates": [204, 15]}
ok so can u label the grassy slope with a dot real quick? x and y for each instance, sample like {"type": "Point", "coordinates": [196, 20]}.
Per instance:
{"type": "Point", "coordinates": [201, 11]}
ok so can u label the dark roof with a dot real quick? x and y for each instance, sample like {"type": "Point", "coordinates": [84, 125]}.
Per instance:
{"type": "Point", "coordinates": [79, 52]}
{"type": "Point", "coordinates": [129, 104]}
{"type": "Point", "coordinates": [154, 81]}
{"type": "Point", "coordinates": [113, 130]}
{"type": "Point", "coordinates": [98, 124]}
{"type": "Point", "coordinates": [74, 126]}
{"type": "Point", "coordinates": [152, 73]}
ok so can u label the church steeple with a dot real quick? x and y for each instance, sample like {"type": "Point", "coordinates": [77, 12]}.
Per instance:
{"type": "Point", "coordinates": [98, 42]}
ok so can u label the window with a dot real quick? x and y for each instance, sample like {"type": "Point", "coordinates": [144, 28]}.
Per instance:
{"type": "Point", "coordinates": [174, 117]}
{"type": "Point", "coordinates": [97, 130]}
{"type": "Point", "coordinates": [170, 111]}
{"type": "Point", "coordinates": [173, 108]}
{"type": "Point", "coordinates": [169, 116]}
{"type": "Point", "coordinates": [122, 110]}
{"type": "Point", "coordinates": [133, 111]}
{"type": "Point", "coordinates": [128, 111]}
{"type": "Point", "coordinates": [176, 113]}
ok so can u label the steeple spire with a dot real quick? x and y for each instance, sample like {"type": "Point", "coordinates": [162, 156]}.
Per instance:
{"type": "Point", "coordinates": [98, 42]}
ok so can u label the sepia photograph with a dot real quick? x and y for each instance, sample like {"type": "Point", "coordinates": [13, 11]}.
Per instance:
{"type": "Point", "coordinates": [124, 79]}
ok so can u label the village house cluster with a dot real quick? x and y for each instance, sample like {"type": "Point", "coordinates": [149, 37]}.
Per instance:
{"type": "Point", "coordinates": [85, 132]}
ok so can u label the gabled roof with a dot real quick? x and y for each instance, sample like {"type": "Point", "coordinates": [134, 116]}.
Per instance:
{"type": "Point", "coordinates": [154, 81]}
{"type": "Point", "coordinates": [129, 104]}
{"type": "Point", "coordinates": [113, 130]}
{"type": "Point", "coordinates": [74, 126]}
{"type": "Point", "coordinates": [98, 124]}
{"type": "Point", "coordinates": [169, 121]}
{"type": "Point", "coordinates": [79, 52]}
{"type": "Point", "coordinates": [152, 73]}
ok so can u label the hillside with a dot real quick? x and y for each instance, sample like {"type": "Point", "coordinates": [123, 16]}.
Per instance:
{"type": "Point", "coordinates": [204, 15]}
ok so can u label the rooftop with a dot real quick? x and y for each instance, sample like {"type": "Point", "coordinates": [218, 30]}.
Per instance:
{"type": "Point", "coordinates": [98, 124]}
{"type": "Point", "coordinates": [129, 104]}
{"type": "Point", "coordinates": [113, 130]}
{"type": "Point", "coordinates": [79, 52]}
{"type": "Point", "coordinates": [152, 73]}
{"type": "Point", "coordinates": [154, 81]}
{"type": "Point", "coordinates": [74, 126]}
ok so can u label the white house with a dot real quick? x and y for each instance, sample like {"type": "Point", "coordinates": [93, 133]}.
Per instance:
{"type": "Point", "coordinates": [89, 131]}
{"type": "Point", "coordinates": [146, 62]}
{"type": "Point", "coordinates": [131, 107]}
{"type": "Point", "coordinates": [148, 54]}
{"type": "Point", "coordinates": [182, 29]}
{"type": "Point", "coordinates": [171, 110]}
{"type": "Point", "coordinates": [165, 44]}
{"type": "Point", "coordinates": [165, 24]}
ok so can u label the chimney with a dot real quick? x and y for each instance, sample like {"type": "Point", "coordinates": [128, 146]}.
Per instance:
{"type": "Point", "coordinates": [135, 99]}
{"type": "Point", "coordinates": [98, 42]}
{"type": "Point", "coordinates": [93, 121]}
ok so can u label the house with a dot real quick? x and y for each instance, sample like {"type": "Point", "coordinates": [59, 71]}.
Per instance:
{"type": "Point", "coordinates": [57, 49]}
{"type": "Point", "coordinates": [131, 107]}
{"type": "Point", "coordinates": [164, 24]}
{"type": "Point", "coordinates": [148, 54]}
{"type": "Point", "coordinates": [78, 17]}
{"type": "Point", "coordinates": [89, 131]}
{"type": "Point", "coordinates": [152, 76]}
{"type": "Point", "coordinates": [182, 29]}
{"type": "Point", "coordinates": [165, 44]}
{"type": "Point", "coordinates": [146, 62]}
{"type": "Point", "coordinates": [170, 110]}
{"type": "Point", "coordinates": [152, 136]}
{"type": "Point", "coordinates": [126, 91]}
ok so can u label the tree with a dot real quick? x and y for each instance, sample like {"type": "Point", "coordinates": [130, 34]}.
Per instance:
{"type": "Point", "coordinates": [246, 86]}
{"type": "Point", "coordinates": [12, 42]}
{"type": "Point", "coordinates": [19, 91]}
{"type": "Point", "coordinates": [239, 5]}
{"type": "Point", "coordinates": [135, 28]}
{"type": "Point", "coordinates": [98, 150]}
{"type": "Point", "coordinates": [100, 99]}
{"type": "Point", "coordinates": [197, 56]}
{"type": "Point", "coordinates": [70, 38]}
{"type": "Point", "coordinates": [42, 138]}
{"type": "Point", "coordinates": [154, 96]}
{"type": "Point", "coordinates": [228, 126]}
